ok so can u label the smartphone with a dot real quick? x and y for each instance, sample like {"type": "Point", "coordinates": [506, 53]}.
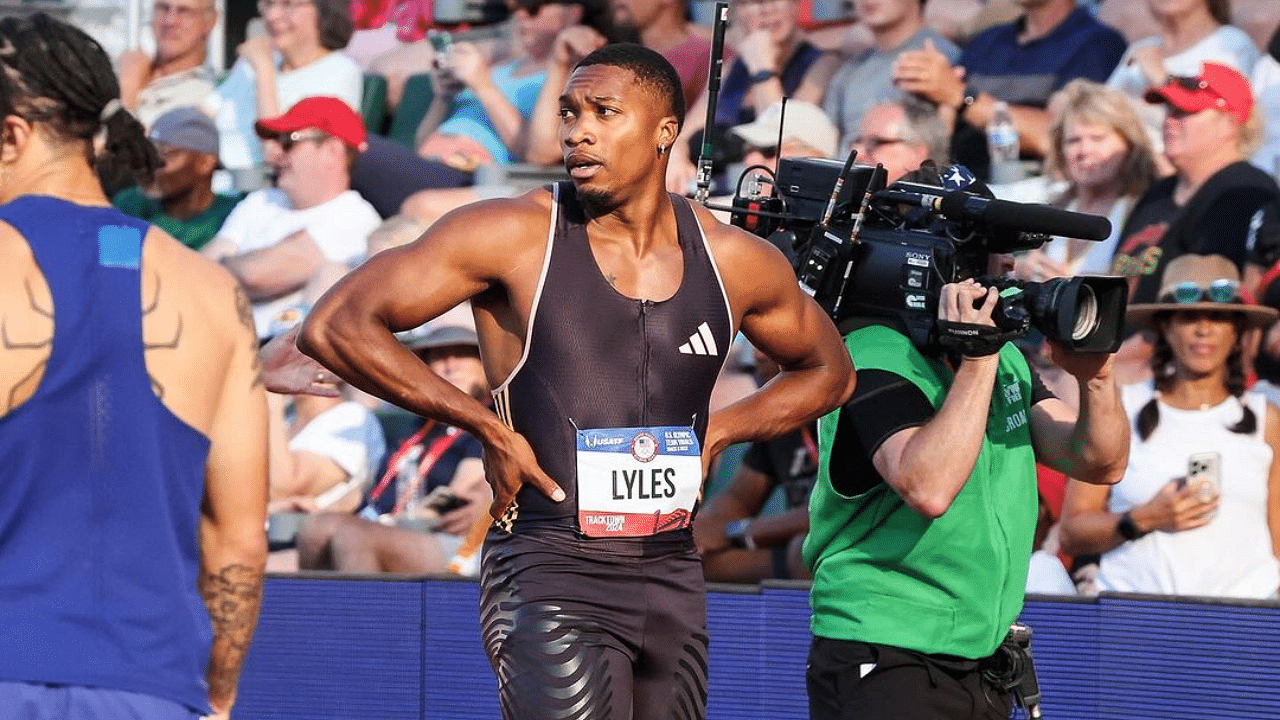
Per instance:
{"type": "Point", "coordinates": [1204, 473]}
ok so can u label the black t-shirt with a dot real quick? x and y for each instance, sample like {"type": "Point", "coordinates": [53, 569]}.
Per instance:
{"type": "Point", "coordinates": [883, 404]}
{"type": "Point", "coordinates": [1236, 213]}
{"type": "Point", "coordinates": [790, 461]}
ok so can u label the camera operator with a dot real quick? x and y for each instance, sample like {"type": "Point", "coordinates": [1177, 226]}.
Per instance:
{"type": "Point", "coordinates": [923, 515]}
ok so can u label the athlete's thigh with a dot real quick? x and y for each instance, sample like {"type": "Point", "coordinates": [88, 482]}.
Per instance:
{"type": "Point", "coordinates": [671, 674]}
{"type": "Point", "coordinates": [559, 633]}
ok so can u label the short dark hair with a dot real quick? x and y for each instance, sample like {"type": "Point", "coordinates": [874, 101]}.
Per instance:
{"type": "Point", "coordinates": [58, 77]}
{"type": "Point", "coordinates": [333, 19]}
{"type": "Point", "coordinates": [650, 68]}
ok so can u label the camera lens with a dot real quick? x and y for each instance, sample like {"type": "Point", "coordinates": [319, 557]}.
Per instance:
{"type": "Point", "coordinates": [1086, 314]}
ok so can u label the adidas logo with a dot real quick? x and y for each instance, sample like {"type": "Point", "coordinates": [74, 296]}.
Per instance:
{"type": "Point", "coordinates": [701, 342]}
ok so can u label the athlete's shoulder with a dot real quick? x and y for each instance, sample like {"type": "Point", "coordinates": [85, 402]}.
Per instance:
{"type": "Point", "coordinates": [204, 283]}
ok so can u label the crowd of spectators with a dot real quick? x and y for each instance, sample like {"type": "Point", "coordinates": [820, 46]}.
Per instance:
{"type": "Point", "coordinates": [1168, 124]}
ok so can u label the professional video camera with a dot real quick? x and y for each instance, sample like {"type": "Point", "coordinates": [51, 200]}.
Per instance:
{"type": "Point", "coordinates": [867, 251]}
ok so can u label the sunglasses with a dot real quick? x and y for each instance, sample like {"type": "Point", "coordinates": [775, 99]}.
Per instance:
{"type": "Point", "coordinates": [1222, 290]}
{"type": "Point", "coordinates": [288, 140]}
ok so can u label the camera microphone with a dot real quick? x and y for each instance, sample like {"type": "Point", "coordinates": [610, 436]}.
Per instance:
{"type": "Point", "coordinates": [960, 205]}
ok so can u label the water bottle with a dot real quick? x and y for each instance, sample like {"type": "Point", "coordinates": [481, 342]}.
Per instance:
{"type": "Point", "coordinates": [1002, 145]}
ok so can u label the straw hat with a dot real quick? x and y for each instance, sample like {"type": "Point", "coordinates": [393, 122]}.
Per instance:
{"type": "Point", "coordinates": [1200, 282]}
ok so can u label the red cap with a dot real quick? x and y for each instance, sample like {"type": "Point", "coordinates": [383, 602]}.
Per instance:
{"type": "Point", "coordinates": [328, 114]}
{"type": "Point", "coordinates": [1217, 86]}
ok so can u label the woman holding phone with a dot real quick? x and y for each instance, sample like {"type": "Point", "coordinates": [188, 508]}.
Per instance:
{"type": "Point", "coordinates": [1158, 531]}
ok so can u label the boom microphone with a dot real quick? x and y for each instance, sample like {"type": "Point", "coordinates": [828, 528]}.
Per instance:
{"type": "Point", "coordinates": [960, 205]}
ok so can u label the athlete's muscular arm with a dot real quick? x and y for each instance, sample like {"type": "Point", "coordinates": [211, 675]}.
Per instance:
{"type": "Point", "coordinates": [350, 329]}
{"type": "Point", "coordinates": [233, 545]}
{"type": "Point", "coordinates": [787, 326]}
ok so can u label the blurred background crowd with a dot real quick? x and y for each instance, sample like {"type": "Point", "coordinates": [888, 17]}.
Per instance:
{"type": "Point", "coordinates": [299, 137]}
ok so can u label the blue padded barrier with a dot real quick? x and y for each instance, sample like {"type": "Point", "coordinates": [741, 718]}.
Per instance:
{"type": "Point", "coordinates": [388, 647]}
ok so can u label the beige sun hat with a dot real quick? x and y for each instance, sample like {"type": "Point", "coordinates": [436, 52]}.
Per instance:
{"type": "Point", "coordinates": [1200, 282]}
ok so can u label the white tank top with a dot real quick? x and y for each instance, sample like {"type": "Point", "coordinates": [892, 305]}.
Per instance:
{"type": "Point", "coordinates": [1229, 557]}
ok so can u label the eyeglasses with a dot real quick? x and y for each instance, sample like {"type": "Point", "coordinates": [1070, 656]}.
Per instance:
{"type": "Point", "coordinates": [183, 13]}
{"type": "Point", "coordinates": [265, 6]}
{"type": "Point", "coordinates": [288, 140]}
{"type": "Point", "coordinates": [1190, 84]}
{"type": "Point", "coordinates": [874, 143]}
{"type": "Point", "coordinates": [1222, 290]}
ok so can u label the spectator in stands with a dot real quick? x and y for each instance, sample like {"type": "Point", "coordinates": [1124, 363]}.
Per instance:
{"type": "Point", "coordinates": [1157, 532]}
{"type": "Point", "coordinates": [278, 238]}
{"type": "Point", "coordinates": [181, 199]}
{"type": "Point", "coordinates": [432, 489]}
{"type": "Point", "coordinates": [737, 543]}
{"type": "Point", "coordinates": [479, 114]}
{"type": "Point", "coordinates": [901, 136]}
{"type": "Point", "coordinates": [865, 79]}
{"type": "Point", "coordinates": [774, 60]}
{"type": "Point", "coordinates": [1022, 63]}
{"type": "Point", "coordinates": [1099, 147]}
{"type": "Point", "coordinates": [1192, 32]}
{"type": "Point", "coordinates": [324, 452]}
{"type": "Point", "coordinates": [297, 59]}
{"type": "Point", "coordinates": [660, 25]}
{"type": "Point", "coordinates": [178, 74]}
{"type": "Point", "coordinates": [664, 25]}
{"type": "Point", "coordinates": [1217, 203]}
{"type": "Point", "coordinates": [1266, 87]}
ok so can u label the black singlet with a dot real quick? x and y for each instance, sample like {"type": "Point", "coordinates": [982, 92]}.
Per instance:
{"type": "Point", "coordinates": [595, 358]}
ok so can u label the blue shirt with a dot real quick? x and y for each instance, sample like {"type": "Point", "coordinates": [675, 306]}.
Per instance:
{"type": "Point", "coordinates": [1019, 73]}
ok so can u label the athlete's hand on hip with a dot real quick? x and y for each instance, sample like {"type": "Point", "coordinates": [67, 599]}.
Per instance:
{"type": "Point", "coordinates": [511, 465]}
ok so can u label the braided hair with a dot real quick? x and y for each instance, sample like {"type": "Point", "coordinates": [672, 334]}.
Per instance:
{"type": "Point", "coordinates": [1162, 366]}
{"type": "Point", "coordinates": [55, 76]}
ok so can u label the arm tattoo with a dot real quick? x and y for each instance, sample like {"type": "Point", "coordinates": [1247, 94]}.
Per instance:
{"type": "Point", "coordinates": [244, 309]}
{"type": "Point", "coordinates": [233, 596]}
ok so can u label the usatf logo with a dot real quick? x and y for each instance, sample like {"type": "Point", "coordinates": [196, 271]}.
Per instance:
{"type": "Point", "coordinates": [644, 447]}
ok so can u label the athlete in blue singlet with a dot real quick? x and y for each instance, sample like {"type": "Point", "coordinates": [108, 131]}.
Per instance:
{"type": "Point", "coordinates": [133, 423]}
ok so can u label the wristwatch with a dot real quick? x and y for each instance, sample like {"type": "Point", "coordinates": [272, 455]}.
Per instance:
{"type": "Point", "coordinates": [763, 76]}
{"type": "Point", "coordinates": [1126, 528]}
{"type": "Point", "coordinates": [738, 533]}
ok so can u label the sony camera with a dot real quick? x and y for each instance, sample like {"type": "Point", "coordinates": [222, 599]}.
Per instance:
{"type": "Point", "coordinates": [867, 251]}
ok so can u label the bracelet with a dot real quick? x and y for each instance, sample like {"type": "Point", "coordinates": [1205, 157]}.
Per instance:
{"type": "Point", "coordinates": [738, 533]}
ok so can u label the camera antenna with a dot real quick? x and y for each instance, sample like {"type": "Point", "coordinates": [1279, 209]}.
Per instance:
{"type": "Point", "coordinates": [782, 123]}
{"type": "Point", "coordinates": [836, 187]}
{"type": "Point", "coordinates": [713, 94]}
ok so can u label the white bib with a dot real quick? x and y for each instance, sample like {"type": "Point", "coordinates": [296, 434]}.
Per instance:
{"type": "Point", "coordinates": [637, 481]}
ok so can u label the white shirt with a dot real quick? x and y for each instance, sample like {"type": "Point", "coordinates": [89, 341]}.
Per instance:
{"type": "Point", "coordinates": [350, 436]}
{"type": "Point", "coordinates": [234, 104]}
{"type": "Point", "coordinates": [339, 227]}
{"type": "Point", "coordinates": [1266, 88]}
{"type": "Point", "coordinates": [1230, 556]}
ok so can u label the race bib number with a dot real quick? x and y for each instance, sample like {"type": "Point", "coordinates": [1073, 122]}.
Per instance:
{"type": "Point", "coordinates": [637, 481]}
